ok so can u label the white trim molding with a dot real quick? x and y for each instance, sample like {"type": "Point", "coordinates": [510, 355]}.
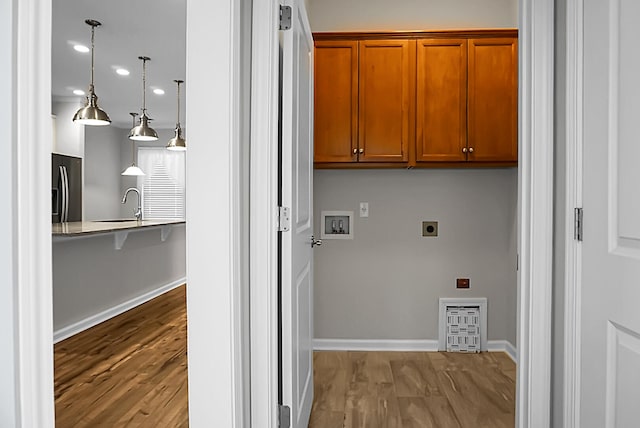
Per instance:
{"type": "Point", "coordinates": [215, 321]}
{"type": "Point", "coordinates": [573, 248]}
{"type": "Point", "coordinates": [503, 346]}
{"type": "Point", "coordinates": [263, 195]}
{"type": "Point", "coordinates": [395, 345]}
{"type": "Point", "coordinates": [30, 204]}
{"type": "Point", "coordinates": [93, 320]}
{"type": "Point", "coordinates": [375, 345]}
{"type": "Point", "coordinates": [535, 203]}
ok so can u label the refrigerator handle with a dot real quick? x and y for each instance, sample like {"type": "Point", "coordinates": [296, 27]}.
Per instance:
{"type": "Point", "coordinates": [64, 215]}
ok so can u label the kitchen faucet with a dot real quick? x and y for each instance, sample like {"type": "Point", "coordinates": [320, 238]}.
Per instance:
{"type": "Point", "coordinates": [138, 213]}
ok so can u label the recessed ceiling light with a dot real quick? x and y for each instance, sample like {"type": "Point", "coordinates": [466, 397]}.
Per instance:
{"type": "Point", "coordinates": [122, 71]}
{"type": "Point", "coordinates": [81, 48]}
{"type": "Point", "coordinates": [158, 91]}
{"type": "Point", "coordinates": [78, 91]}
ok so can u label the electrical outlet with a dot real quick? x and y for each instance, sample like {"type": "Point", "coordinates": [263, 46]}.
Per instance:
{"type": "Point", "coordinates": [429, 228]}
{"type": "Point", "coordinates": [462, 283]}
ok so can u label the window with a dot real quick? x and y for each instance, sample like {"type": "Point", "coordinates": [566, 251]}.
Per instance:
{"type": "Point", "coordinates": [163, 186]}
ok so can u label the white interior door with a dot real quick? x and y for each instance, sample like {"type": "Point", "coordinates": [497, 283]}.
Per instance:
{"type": "Point", "coordinates": [610, 312]}
{"type": "Point", "coordinates": [297, 195]}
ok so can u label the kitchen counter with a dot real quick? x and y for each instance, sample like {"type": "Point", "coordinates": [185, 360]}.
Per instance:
{"type": "Point", "coordinates": [82, 228]}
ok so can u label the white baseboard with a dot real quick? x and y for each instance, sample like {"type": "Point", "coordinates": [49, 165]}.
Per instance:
{"type": "Point", "coordinates": [75, 328]}
{"type": "Point", "coordinates": [374, 345]}
{"type": "Point", "coordinates": [503, 346]}
{"type": "Point", "coordinates": [401, 345]}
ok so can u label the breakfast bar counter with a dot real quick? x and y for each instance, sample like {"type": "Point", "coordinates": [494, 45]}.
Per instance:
{"type": "Point", "coordinates": [105, 226]}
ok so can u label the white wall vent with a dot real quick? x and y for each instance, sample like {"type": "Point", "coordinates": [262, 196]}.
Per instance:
{"type": "Point", "coordinates": [463, 325]}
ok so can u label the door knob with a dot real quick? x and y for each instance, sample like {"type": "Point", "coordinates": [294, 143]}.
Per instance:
{"type": "Point", "coordinates": [361, 151]}
{"type": "Point", "coordinates": [464, 150]}
{"type": "Point", "coordinates": [315, 241]}
{"type": "Point", "coordinates": [470, 149]}
{"type": "Point", "coordinates": [355, 151]}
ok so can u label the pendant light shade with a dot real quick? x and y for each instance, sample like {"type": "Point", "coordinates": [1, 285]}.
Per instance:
{"type": "Point", "coordinates": [91, 114]}
{"type": "Point", "coordinates": [177, 142]}
{"type": "Point", "coordinates": [133, 170]}
{"type": "Point", "coordinates": [143, 132]}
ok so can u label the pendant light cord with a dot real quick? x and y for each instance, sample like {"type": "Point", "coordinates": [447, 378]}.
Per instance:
{"type": "Point", "coordinates": [93, 34]}
{"type": "Point", "coordinates": [178, 119]}
{"type": "Point", "coordinates": [144, 84]}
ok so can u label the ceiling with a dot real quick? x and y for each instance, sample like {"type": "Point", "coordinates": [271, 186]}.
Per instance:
{"type": "Point", "coordinates": [130, 28]}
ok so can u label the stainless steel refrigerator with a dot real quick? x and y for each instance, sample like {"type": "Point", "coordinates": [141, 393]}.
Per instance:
{"type": "Point", "coordinates": [66, 188]}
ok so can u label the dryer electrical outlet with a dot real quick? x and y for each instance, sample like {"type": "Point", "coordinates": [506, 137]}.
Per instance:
{"type": "Point", "coordinates": [429, 228]}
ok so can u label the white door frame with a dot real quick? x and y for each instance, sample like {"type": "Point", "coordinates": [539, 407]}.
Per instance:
{"type": "Point", "coordinates": [211, 88]}
{"type": "Point", "coordinates": [535, 203]}
{"type": "Point", "coordinates": [263, 249]}
{"type": "Point", "coordinates": [573, 199]}
{"type": "Point", "coordinates": [26, 114]}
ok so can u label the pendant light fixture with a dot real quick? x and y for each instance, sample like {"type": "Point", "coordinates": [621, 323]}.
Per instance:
{"type": "Point", "coordinates": [133, 169]}
{"type": "Point", "coordinates": [143, 132]}
{"type": "Point", "coordinates": [178, 143]}
{"type": "Point", "coordinates": [91, 114]}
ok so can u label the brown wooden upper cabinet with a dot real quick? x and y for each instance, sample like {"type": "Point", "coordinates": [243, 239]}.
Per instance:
{"type": "Point", "coordinates": [362, 98]}
{"type": "Point", "coordinates": [336, 101]}
{"type": "Point", "coordinates": [492, 115]}
{"type": "Point", "coordinates": [441, 110]}
{"type": "Point", "coordinates": [385, 93]}
{"type": "Point", "coordinates": [416, 99]}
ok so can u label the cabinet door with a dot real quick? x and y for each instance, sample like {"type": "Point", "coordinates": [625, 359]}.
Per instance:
{"type": "Point", "coordinates": [336, 101]}
{"type": "Point", "coordinates": [385, 91]}
{"type": "Point", "coordinates": [441, 111]}
{"type": "Point", "coordinates": [493, 100]}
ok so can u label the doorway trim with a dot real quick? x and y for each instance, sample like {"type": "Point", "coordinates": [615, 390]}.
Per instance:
{"type": "Point", "coordinates": [29, 229]}
{"type": "Point", "coordinates": [573, 199]}
{"type": "Point", "coordinates": [263, 248]}
{"type": "Point", "coordinates": [535, 206]}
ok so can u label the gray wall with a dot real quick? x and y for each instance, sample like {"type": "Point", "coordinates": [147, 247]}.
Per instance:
{"type": "Point", "coordinates": [367, 15]}
{"type": "Point", "coordinates": [102, 172]}
{"type": "Point", "coordinates": [91, 276]}
{"type": "Point", "coordinates": [385, 283]}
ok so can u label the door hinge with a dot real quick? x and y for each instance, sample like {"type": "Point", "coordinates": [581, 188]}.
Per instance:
{"type": "Point", "coordinates": [284, 416]}
{"type": "Point", "coordinates": [284, 222]}
{"type": "Point", "coordinates": [577, 224]}
{"type": "Point", "coordinates": [285, 17]}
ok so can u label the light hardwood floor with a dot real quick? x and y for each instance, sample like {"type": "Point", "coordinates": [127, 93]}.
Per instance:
{"type": "Point", "coordinates": [413, 389]}
{"type": "Point", "coordinates": [128, 371]}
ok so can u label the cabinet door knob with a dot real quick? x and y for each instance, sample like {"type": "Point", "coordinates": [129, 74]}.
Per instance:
{"type": "Point", "coordinates": [361, 151]}
{"type": "Point", "coordinates": [470, 149]}
{"type": "Point", "coordinates": [355, 151]}
{"type": "Point", "coordinates": [464, 150]}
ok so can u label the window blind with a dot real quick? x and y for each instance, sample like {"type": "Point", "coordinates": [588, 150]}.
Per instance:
{"type": "Point", "coordinates": [163, 186]}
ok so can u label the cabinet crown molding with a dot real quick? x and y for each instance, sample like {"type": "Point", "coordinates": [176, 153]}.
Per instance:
{"type": "Point", "coordinates": [418, 34]}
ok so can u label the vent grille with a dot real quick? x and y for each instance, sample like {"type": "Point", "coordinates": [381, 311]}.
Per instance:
{"type": "Point", "coordinates": [463, 329]}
